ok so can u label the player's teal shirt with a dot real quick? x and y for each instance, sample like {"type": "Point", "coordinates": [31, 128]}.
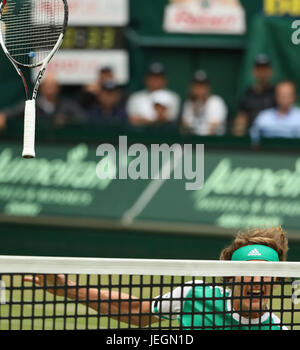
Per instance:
{"type": "Point", "coordinates": [207, 308]}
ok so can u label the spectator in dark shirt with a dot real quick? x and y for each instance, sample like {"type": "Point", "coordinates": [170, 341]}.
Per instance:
{"type": "Point", "coordinates": [51, 108]}
{"type": "Point", "coordinates": [88, 95]}
{"type": "Point", "coordinates": [109, 108]}
{"type": "Point", "coordinates": [257, 98]}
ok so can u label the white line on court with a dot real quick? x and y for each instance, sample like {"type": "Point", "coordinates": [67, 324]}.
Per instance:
{"type": "Point", "coordinates": [150, 191]}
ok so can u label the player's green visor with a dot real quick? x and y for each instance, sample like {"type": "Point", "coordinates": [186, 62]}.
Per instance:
{"type": "Point", "coordinates": [255, 252]}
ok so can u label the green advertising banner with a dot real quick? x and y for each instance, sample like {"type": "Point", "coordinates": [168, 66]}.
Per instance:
{"type": "Point", "coordinates": [242, 189]}
{"type": "Point", "coordinates": [62, 181]}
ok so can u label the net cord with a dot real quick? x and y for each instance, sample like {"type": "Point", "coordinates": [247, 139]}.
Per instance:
{"type": "Point", "coordinates": [65, 265]}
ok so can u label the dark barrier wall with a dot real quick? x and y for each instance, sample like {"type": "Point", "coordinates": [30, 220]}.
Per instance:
{"type": "Point", "coordinates": [58, 241]}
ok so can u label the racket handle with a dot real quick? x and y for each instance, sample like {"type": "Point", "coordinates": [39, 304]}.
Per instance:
{"type": "Point", "coordinates": [29, 130]}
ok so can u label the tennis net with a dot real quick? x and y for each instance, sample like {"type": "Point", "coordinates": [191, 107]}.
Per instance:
{"type": "Point", "coordinates": [41, 293]}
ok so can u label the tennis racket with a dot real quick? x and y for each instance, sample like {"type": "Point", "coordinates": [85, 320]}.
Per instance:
{"type": "Point", "coordinates": [31, 32]}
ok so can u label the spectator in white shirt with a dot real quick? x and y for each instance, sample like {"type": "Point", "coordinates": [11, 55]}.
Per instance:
{"type": "Point", "coordinates": [203, 113]}
{"type": "Point", "coordinates": [140, 108]}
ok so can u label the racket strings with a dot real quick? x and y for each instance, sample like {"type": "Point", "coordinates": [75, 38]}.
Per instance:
{"type": "Point", "coordinates": [31, 29]}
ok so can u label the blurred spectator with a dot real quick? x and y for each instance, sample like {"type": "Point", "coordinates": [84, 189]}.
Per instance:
{"type": "Point", "coordinates": [257, 98]}
{"type": "Point", "coordinates": [109, 108]}
{"type": "Point", "coordinates": [162, 103]}
{"type": "Point", "coordinates": [203, 113]}
{"type": "Point", "coordinates": [2, 121]}
{"type": "Point", "coordinates": [140, 107]}
{"type": "Point", "coordinates": [88, 95]}
{"type": "Point", "coordinates": [50, 106]}
{"type": "Point", "coordinates": [282, 121]}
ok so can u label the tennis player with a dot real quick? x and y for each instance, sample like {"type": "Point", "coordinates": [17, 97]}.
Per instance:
{"type": "Point", "coordinates": [241, 304]}
{"type": "Point", "coordinates": [246, 298]}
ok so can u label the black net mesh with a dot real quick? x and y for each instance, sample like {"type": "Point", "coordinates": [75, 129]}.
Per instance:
{"type": "Point", "coordinates": [162, 301]}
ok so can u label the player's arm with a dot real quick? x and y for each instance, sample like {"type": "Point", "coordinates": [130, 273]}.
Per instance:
{"type": "Point", "coordinates": [106, 302]}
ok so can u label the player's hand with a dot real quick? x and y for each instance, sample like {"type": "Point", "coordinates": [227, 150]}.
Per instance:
{"type": "Point", "coordinates": [57, 282]}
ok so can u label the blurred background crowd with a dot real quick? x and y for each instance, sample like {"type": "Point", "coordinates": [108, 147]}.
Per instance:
{"type": "Point", "coordinates": [264, 110]}
{"type": "Point", "coordinates": [243, 83]}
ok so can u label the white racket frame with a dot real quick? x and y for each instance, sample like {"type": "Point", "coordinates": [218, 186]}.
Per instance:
{"type": "Point", "coordinates": [30, 104]}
